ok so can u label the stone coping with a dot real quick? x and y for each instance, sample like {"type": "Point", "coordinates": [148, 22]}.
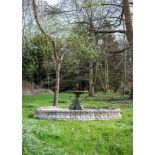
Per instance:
{"type": "Point", "coordinates": [89, 113]}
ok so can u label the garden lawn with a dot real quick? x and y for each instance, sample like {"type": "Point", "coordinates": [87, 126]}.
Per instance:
{"type": "Point", "coordinates": [55, 137]}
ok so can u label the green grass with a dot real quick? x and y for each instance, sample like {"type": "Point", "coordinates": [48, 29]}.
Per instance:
{"type": "Point", "coordinates": [51, 137]}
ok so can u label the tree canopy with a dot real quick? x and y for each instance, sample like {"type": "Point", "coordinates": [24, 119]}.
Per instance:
{"type": "Point", "coordinates": [84, 42]}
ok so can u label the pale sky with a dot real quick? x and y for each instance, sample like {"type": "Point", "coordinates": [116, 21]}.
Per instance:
{"type": "Point", "coordinates": [53, 1]}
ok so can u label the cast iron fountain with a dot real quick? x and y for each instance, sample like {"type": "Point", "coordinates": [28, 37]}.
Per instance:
{"type": "Point", "coordinates": [77, 112]}
{"type": "Point", "coordinates": [76, 105]}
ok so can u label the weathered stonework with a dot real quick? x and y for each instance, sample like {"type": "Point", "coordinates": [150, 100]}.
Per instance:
{"type": "Point", "coordinates": [89, 113]}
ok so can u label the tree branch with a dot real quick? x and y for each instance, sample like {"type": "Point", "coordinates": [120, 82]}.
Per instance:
{"type": "Point", "coordinates": [111, 31]}
{"type": "Point", "coordinates": [42, 30]}
{"type": "Point", "coordinates": [119, 51]}
{"type": "Point", "coordinates": [111, 4]}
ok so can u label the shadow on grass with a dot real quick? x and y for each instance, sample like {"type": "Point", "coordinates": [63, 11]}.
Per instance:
{"type": "Point", "coordinates": [28, 106]}
{"type": "Point", "coordinates": [110, 99]}
{"type": "Point", "coordinates": [60, 101]}
{"type": "Point", "coordinates": [31, 116]}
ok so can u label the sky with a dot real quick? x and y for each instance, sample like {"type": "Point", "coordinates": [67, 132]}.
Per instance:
{"type": "Point", "coordinates": [53, 2]}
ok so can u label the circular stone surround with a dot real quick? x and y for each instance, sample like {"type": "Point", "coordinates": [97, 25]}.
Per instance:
{"type": "Point", "coordinates": [88, 113]}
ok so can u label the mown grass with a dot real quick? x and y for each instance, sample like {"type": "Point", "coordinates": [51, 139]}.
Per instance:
{"type": "Point", "coordinates": [51, 137]}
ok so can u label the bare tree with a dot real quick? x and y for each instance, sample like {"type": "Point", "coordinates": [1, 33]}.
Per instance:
{"type": "Point", "coordinates": [58, 51]}
{"type": "Point", "coordinates": [100, 18]}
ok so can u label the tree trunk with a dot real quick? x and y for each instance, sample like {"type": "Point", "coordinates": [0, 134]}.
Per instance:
{"type": "Point", "coordinates": [48, 81]}
{"type": "Point", "coordinates": [93, 89]}
{"type": "Point", "coordinates": [90, 79]}
{"type": "Point", "coordinates": [125, 65]}
{"type": "Point", "coordinates": [128, 21]}
{"type": "Point", "coordinates": [57, 84]}
{"type": "Point", "coordinates": [101, 81]}
{"type": "Point", "coordinates": [129, 29]}
{"type": "Point", "coordinates": [131, 93]}
{"type": "Point", "coordinates": [106, 65]}
{"type": "Point", "coordinates": [125, 73]}
{"type": "Point", "coordinates": [106, 75]}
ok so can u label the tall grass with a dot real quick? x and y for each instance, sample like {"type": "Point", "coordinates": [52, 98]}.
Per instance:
{"type": "Point", "coordinates": [51, 137]}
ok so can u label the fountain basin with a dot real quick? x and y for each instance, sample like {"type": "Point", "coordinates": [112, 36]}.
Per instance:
{"type": "Point", "coordinates": [88, 113]}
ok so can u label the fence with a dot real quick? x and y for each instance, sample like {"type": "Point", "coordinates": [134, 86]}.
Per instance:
{"type": "Point", "coordinates": [30, 88]}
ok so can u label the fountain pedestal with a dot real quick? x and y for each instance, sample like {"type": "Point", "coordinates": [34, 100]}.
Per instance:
{"type": "Point", "coordinates": [76, 105]}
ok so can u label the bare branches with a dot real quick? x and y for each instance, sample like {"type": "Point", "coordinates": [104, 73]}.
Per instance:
{"type": "Point", "coordinates": [119, 51]}
{"type": "Point", "coordinates": [111, 31]}
{"type": "Point", "coordinates": [111, 4]}
{"type": "Point", "coordinates": [42, 30]}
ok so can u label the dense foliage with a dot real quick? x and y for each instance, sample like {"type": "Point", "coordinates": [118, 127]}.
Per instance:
{"type": "Point", "coordinates": [94, 59]}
